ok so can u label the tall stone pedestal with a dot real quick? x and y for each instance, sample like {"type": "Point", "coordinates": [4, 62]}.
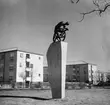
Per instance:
{"type": "Point", "coordinates": [56, 58]}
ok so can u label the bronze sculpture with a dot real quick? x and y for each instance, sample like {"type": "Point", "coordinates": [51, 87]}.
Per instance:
{"type": "Point", "coordinates": [60, 31]}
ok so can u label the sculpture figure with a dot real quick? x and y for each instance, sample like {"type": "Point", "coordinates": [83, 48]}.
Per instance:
{"type": "Point", "coordinates": [56, 59]}
{"type": "Point", "coordinates": [60, 31]}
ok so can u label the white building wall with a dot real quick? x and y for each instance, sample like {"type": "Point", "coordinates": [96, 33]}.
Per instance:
{"type": "Point", "coordinates": [20, 71]}
{"type": "Point", "coordinates": [89, 72]}
{"type": "Point", "coordinates": [92, 73]}
{"type": "Point", "coordinates": [37, 70]}
{"type": "Point", "coordinates": [105, 76]}
{"type": "Point", "coordinates": [95, 74]}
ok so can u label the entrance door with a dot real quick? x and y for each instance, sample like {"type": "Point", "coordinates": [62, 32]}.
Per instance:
{"type": "Point", "coordinates": [27, 84]}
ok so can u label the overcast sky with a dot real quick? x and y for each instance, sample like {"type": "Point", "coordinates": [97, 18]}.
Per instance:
{"type": "Point", "coordinates": [29, 25]}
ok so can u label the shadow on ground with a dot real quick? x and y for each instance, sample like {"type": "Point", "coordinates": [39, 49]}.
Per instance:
{"type": "Point", "coordinates": [11, 96]}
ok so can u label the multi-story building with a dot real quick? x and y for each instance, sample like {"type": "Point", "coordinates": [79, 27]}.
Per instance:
{"type": "Point", "coordinates": [78, 72]}
{"type": "Point", "coordinates": [103, 76]}
{"type": "Point", "coordinates": [20, 66]}
{"type": "Point", "coordinates": [81, 72]}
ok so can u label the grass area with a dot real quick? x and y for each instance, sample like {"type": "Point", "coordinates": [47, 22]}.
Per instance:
{"type": "Point", "coordinates": [43, 97]}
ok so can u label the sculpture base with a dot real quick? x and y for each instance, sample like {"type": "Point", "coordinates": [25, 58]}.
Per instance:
{"type": "Point", "coordinates": [56, 58]}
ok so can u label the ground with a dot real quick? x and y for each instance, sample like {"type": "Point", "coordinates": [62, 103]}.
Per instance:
{"type": "Point", "coordinates": [43, 97]}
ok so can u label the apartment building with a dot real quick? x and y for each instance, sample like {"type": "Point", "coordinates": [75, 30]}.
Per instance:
{"type": "Point", "coordinates": [103, 76]}
{"type": "Point", "coordinates": [20, 67]}
{"type": "Point", "coordinates": [81, 72]}
{"type": "Point", "coordinates": [78, 72]}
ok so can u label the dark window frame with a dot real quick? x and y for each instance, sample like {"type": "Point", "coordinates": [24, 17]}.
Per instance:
{"type": "Point", "coordinates": [12, 54]}
{"type": "Point", "coordinates": [10, 78]}
{"type": "Point", "coordinates": [27, 73]}
{"type": "Point", "coordinates": [27, 64]}
{"type": "Point", "coordinates": [39, 75]}
{"type": "Point", "coordinates": [27, 56]}
{"type": "Point", "coordinates": [2, 56]}
{"type": "Point", "coordinates": [11, 67]}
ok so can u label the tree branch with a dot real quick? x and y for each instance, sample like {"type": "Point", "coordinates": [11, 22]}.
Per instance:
{"type": "Point", "coordinates": [74, 1]}
{"type": "Point", "coordinates": [83, 14]}
{"type": "Point", "coordinates": [100, 8]}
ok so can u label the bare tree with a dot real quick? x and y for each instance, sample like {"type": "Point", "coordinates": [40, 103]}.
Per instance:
{"type": "Point", "coordinates": [23, 76]}
{"type": "Point", "coordinates": [100, 7]}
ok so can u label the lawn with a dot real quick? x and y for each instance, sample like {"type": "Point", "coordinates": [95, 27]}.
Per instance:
{"type": "Point", "coordinates": [43, 97]}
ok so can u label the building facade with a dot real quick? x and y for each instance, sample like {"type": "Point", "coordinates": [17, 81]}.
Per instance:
{"type": "Point", "coordinates": [78, 72]}
{"type": "Point", "coordinates": [81, 72]}
{"type": "Point", "coordinates": [20, 66]}
{"type": "Point", "coordinates": [103, 76]}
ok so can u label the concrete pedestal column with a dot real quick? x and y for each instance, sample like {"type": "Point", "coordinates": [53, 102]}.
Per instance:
{"type": "Point", "coordinates": [56, 58]}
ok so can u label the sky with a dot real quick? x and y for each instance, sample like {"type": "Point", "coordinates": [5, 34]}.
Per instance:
{"type": "Point", "coordinates": [29, 25]}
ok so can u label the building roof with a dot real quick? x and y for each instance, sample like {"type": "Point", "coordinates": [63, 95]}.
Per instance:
{"type": "Point", "coordinates": [17, 49]}
{"type": "Point", "coordinates": [8, 49]}
{"type": "Point", "coordinates": [78, 62]}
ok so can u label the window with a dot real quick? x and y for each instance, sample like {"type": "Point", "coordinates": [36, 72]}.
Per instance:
{"type": "Point", "coordinates": [77, 68]}
{"type": "Point", "coordinates": [74, 78]}
{"type": "Point", "coordinates": [89, 71]}
{"type": "Point", "coordinates": [39, 58]}
{"type": "Point", "coordinates": [27, 64]}
{"type": "Point", "coordinates": [11, 59]}
{"type": "Point", "coordinates": [31, 65]}
{"type": "Point", "coordinates": [21, 55]}
{"type": "Point", "coordinates": [73, 66]}
{"type": "Point", "coordinates": [10, 78]}
{"type": "Point", "coordinates": [2, 56]}
{"type": "Point", "coordinates": [12, 54]}
{"type": "Point", "coordinates": [27, 74]}
{"type": "Point", "coordinates": [77, 72]}
{"type": "Point", "coordinates": [84, 72]}
{"type": "Point", "coordinates": [11, 67]}
{"type": "Point", "coordinates": [20, 65]}
{"type": "Point", "coordinates": [45, 77]}
{"type": "Point", "coordinates": [27, 55]}
{"type": "Point", "coordinates": [78, 78]}
{"type": "Point", "coordinates": [39, 75]}
{"type": "Point", "coordinates": [74, 69]}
